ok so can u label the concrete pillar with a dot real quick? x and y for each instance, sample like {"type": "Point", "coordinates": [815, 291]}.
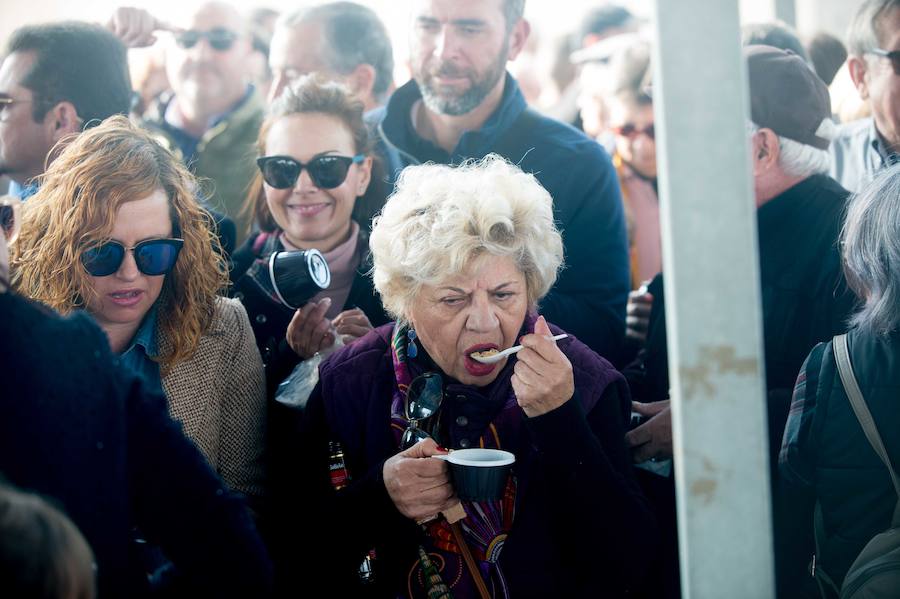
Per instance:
{"type": "Point", "coordinates": [712, 302]}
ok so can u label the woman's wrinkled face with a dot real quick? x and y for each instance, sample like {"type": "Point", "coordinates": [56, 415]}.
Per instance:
{"type": "Point", "coordinates": [125, 297]}
{"type": "Point", "coordinates": [310, 216]}
{"type": "Point", "coordinates": [481, 309]}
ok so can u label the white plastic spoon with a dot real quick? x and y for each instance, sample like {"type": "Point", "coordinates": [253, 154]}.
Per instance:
{"type": "Point", "coordinates": [508, 352]}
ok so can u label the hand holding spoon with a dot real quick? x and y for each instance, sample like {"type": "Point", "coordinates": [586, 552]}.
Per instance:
{"type": "Point", "coordinates": [492, 358]}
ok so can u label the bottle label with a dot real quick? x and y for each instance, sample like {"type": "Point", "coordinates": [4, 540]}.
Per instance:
{"type": "Point", "coordinates": [339, 476]}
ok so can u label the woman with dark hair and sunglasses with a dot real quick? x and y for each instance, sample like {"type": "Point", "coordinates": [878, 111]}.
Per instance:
{"type": "Point", "coordinates": [617, 109]}
{"type": "Point", "coordinates": [115, 230]}
{"type": "Point", "coordinates": [462, 256]}
{"type": "Point", "coordinates": [315, 170]}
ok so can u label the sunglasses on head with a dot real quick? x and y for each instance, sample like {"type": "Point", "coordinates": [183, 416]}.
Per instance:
{"type": "Point", "coordinates": [327, 172]}
{"type": "Point", "coordinates": [219, 38]}
{"type": "Point", "coordinates": [630, 130]}
{"type": "Point", "coordinates": [423, 399]}
{"type": "Point", "coordinates": [893, 56]}
{"type": "Point", "coordinates": [153, 257]}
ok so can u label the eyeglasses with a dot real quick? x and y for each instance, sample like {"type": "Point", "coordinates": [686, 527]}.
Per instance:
{"type": "Point", "coordinates": [219, 38]}
{"type": "Point", "coordinates": [153, 257]}
{"type": "Point", "coordinates": [423, 399]}
{"type": "Point", "coordinates": [327, 172]}
{"type": "Point", "coordinates": [893, 56]}
{"type": "Point", "coordinates": [630, 130]}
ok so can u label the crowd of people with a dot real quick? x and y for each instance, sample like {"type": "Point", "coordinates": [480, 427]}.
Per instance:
{"type": "Point", "coordinates": [174, 423]}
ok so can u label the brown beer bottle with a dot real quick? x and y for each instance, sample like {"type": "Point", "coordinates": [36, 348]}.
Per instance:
{"type": "Point", "coordinates": [340, 478]}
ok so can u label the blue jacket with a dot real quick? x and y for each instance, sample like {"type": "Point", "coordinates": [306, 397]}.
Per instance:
{"type": "Point", "coordinates": [589, 297]}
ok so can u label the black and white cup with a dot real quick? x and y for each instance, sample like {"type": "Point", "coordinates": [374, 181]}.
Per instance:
{"type": "Point", "coordinates": [298, 276]}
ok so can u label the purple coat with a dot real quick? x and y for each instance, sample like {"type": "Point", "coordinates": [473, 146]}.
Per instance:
{"type": "Point", "coordinates": [581, 523]}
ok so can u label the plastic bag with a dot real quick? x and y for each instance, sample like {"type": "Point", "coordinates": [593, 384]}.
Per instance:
{"type": "Point", "coordinates": [294, 391]}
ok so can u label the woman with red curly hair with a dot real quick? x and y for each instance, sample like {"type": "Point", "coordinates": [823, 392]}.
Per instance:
{"type": "Point", "coordinates": [115, 230]}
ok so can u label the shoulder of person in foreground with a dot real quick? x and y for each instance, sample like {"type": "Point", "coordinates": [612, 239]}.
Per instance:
{"type": "Point", "coordinates": [181, 505]}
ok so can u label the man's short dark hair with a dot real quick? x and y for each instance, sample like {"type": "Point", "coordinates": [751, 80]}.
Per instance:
{"type": "Point", "coordinates": [353, 35]}
{"type": "Point", "coordinates": [827, 54]}
{"type": "Point", "coordinates": [75, 62]}
{"type": "Point", "coordinates": [865, 32]}
{"type": "Point", "coordinates": [605, 18]}
{"type": "Point", "coordinates": [775, 34]}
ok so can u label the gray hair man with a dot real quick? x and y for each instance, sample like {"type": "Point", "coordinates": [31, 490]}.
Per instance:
{"type": "Point", "coordinates": [805, 299]}
{"type": "Point", "coordinates": [866, 146]}
{"type": "Point", "coordinates": [462, 104]}
{"type": "Point", "coordinates": [340, 40]}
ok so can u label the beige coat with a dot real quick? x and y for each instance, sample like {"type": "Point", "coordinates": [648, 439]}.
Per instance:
{"type": "Point", "coordinates": [219, 396]}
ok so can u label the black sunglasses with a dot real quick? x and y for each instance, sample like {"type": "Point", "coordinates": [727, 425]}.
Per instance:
{"type": "Point", "coordinates": [630, 130]}
{"type": "Point", "coordinates": [219, 38]}
{"type": "Point", "coordinates": [327, 172]}
{"type": "Point", "coordinates": [423, 399]}
{"type": "Point", "coordinates": [893, 56]}
{"type": "Point", "coordinates": [153, 257]}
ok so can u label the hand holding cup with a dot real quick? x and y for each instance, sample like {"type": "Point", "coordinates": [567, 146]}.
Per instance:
{"type": "Point", "coordinates": [420, 488]}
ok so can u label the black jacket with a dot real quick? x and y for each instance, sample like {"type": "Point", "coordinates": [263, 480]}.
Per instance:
{"type": "Point", "coordinates": [828, 454]}
{"type": "Point", "coordinates": [77, 427]}
{"type": "Point", "coordinates": [805, 299]}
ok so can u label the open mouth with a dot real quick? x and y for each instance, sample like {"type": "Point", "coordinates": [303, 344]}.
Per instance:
{"type": "Point", "coordinates": [482, 349]}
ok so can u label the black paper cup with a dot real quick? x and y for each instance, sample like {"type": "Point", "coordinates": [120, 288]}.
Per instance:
{"type": "Point", "coordinates": [479, 474]}
{"type": "Point", "coordinates": [297, 276]}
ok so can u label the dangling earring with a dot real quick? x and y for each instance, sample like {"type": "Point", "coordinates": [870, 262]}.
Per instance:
{"type": "Point", "coordinates": [411, 350]}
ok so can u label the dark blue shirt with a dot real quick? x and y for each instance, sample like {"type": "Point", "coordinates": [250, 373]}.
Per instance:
{"type": "Point", "coordinates": [143, 348]}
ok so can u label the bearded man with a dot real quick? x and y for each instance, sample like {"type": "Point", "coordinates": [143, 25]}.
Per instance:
{"type": "Point", "coordinates": [462, 104]}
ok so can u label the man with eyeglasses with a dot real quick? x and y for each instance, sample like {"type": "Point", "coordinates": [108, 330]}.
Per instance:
{"type": "Point", "coordinates": [866, 146]}
{"type": "Point", "coordinates": [55, 80]}
{"type": "Point", "coordinates": [213, 118]}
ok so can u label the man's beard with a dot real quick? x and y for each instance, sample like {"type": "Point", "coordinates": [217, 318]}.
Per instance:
{"type": "Point", "coordinates": [470, 99]}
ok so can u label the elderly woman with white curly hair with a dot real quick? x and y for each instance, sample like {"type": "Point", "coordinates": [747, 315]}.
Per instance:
{"type": "Point", "coordinates": [462, 257]}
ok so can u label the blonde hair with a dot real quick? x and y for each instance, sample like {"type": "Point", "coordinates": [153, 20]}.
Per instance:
{"type": "Point", "coordinates": [75, 209]}
{"type": "Point", "coordinates": [441, 218]}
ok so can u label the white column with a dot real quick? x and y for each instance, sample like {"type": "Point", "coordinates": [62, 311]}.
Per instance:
{"type": "Point", "coordinates": [786, 10]}
{"type": "Point", "coordinates": [712, 302]}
